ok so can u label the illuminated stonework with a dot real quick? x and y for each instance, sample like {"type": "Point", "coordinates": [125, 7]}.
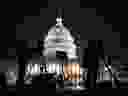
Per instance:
{"type": "Point", "coordinates": [71, 72]}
